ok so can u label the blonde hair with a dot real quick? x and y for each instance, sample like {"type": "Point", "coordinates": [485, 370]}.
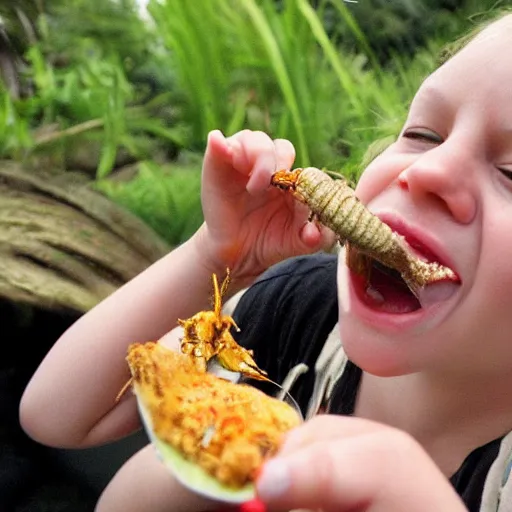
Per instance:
{"type": "Point", "coordinates": [486, 19]}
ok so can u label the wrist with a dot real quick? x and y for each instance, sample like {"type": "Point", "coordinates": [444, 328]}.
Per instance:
{"type": "Point", "coordinates": [214, 258]}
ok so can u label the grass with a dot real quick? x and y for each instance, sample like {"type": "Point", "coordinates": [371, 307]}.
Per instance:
{"type": "Point", "coordinates": [166, 197]}
{"type": "Point", "coordinates": [248, 64]}
{"type": "Point", "coordinates": [223, 64]}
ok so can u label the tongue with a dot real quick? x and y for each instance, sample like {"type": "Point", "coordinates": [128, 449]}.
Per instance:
{"type": "Point", "coordinates": [436, 292]}
{"type": "Point", "coordinates": [389, 294]}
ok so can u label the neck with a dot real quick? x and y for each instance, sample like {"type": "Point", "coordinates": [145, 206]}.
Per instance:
{"type": "Point", "coordinates": [449, 419]}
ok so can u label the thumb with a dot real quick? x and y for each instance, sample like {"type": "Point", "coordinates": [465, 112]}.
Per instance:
{"type": "Point", "coordinates": [370, 473]}
{"type": "Point", "coordinates": [312, 477]}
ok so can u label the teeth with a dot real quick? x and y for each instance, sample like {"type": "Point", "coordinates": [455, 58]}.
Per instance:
{"type": "Point", "coordinates": [436, 292]}
{"type": "Point", "coordinates": [375, 294]}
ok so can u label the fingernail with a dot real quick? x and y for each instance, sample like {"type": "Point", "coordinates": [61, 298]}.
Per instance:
{"type": "Point", "coordinates": [255, 505]}
{"type": "Point", "coordinates": [274, 480]}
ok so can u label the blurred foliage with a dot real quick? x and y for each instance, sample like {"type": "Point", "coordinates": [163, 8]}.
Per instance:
{"type": "Point", "coordinates": [96, 87]}
{"type": "Point", "coordinates": [251, 64]}
{"type": "Point", "coordinates": [402, 26]}
{"type": "Point", "coordinates": [87, 81]}
{"type": "Point", "coordinates": [166, 197]}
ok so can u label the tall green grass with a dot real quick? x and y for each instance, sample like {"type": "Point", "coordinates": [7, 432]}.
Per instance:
{"type": "Point", "coordinates": [250, 64]}
{"type": "Point", "coordinates": [235, 64]}
{"type": "Point", "coordinates": [90, 101]}
{"type": "Point", "coordinates": [15, 134]}
{"type": "Point", "coordinates": [247, 64]}
{"type": "Point", "coordinates": [225, 64]}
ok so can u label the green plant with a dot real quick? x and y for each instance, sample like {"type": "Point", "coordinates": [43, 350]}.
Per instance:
{"type": "Point", "coordinates": [90, 101]}
{"type": "Point", "coordinates": [251, 64]}
{"type": "Point", "coordinates": [15, 135]}
{"type": "Point", "coordinates": [166, 197]}
{"type": "Point", "coordinates": [100, 82]}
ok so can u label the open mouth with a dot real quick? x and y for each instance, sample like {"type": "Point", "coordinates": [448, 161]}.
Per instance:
{"type": "Point", "coordinates": [383, 289]}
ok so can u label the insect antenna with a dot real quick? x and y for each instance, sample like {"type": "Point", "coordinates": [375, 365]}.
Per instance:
{"type": "Point", "coordinates": [217, 298]}
{"type": "Point", "coordinates": [124, 389]}
{"type": "Point", "coordinates": [218, 293]}
{"type": "Point", "coordinates": [225, 283]}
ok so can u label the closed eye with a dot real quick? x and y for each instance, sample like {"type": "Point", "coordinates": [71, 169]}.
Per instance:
{"type": "Point", "coordinates": [423, 135]}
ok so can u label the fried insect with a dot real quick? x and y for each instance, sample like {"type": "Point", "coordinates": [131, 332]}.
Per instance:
{"type": "Point", "coordinates": [207, 335]}
{"type": "Point", "coordinates": [228, 429]}
{"type": "Point", "coordinates": [334, 204]}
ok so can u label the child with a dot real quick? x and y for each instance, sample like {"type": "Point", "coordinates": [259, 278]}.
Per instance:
{"type": "Point", "coordinates": [427, 385]}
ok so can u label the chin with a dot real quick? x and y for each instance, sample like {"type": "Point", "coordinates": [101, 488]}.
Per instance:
{"type": "Point", "coordinates": [374, 353]}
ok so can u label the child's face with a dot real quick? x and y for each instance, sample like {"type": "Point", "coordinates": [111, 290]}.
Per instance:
{"type": "Point", "coordinates": [447, 182]}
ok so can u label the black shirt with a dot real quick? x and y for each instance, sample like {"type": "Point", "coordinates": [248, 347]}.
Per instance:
{"type": "Point", "coordinates": [286, 316]}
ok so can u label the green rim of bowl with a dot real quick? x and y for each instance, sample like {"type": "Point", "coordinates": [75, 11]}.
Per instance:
{"type": "Point", "coordinates": [189, 474]}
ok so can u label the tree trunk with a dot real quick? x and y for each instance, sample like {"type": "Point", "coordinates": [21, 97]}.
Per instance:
{"type": "Point", "coordinates": [64, 246]}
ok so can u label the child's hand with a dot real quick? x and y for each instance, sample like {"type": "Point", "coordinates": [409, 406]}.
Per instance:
{"type": "Point", "coordinates": [249, 225]}
{"type": "Point", "coordinates": [336, 463]}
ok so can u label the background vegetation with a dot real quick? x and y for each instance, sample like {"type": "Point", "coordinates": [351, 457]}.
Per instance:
{"type": "Point", "coordinates": [89, 85]}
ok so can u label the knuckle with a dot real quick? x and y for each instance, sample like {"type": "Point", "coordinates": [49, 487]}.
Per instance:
{"type": "Point", "coordinates": [261, 138]}
{"type": "Point", "coordinates": [257, 144]}
{"type": "Point", "coordinates": [284, 145]}
{"type": "Point", "coordinates": [239, 135]}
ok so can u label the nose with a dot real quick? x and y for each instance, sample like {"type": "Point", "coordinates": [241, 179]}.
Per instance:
{"type": "Point", "coordinates": [444, 177]}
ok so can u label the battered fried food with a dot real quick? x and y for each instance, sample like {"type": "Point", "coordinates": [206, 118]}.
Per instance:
{"type": "Point", "coordinates": [207, 334]}
{"type": "Point", "coordinates": [228, 429]}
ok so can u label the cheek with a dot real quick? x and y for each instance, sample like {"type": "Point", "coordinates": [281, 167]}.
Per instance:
{"type": "Point", "coordinates": [493, 288]}
{"type": "Point", "coordinates": [381, 172]}
{"type": "Point", "coordinates": [372, 353]}
{"type": "Point", "coordinates": [494, 273]}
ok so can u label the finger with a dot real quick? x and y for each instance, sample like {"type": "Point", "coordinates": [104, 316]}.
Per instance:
{"type": "Point", "coordinates": [245, 152]}
{"type": "Point", "coordinates": [252, 150]}
{"type": "Point", "coordinates": [371, 472]}
{"type": "Point", "coordinates": [285, 154]}
{"type": "Point", "coordinates": [218, 166]}
{"type": "Point", "coordinates": [283, 158]}
{"type": "Point", "coordinates": [331, 426]}
{"type": "Point", "coordinates": [304, 479]}
{"type": "Point", "coordinates": [316, 236]}
{"type": "Point", "coordinates": [260, 151]}
{"type": "Point", "coordinates": [218, 151]}
{"type": "Point", "coordinates": [324, 474]}
{"type": "Point", "coordinates": [328, 238]}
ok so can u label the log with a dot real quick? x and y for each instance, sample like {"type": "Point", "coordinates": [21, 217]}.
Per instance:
{"type": "Point", "coordinates": [63, 245]}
